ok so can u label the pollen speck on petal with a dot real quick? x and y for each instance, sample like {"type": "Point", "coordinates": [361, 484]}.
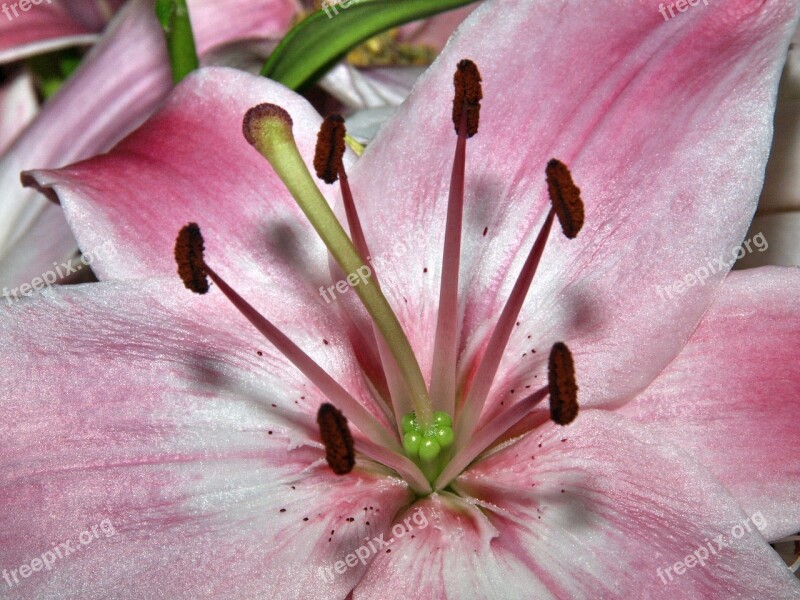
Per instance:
{"type": "Point", "coordinates": [189, 250]}
{"type": "Point", "coordinates": [336, 437]}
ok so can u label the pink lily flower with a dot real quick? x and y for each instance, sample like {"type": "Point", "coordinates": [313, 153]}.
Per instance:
{"type": "Point", "coordinates": [124, 79]}
{"type": "Point", "coordinates": [193, 448]}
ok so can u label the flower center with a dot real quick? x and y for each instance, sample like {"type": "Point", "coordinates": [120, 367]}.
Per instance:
{"type": "Point", "coordinates": [439, 438]}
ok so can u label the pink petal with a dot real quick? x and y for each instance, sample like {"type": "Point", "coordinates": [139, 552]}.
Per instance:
{"type": "Point", "coordinates": [96, 107]}
{"type": "Point", "coordinates": [642, 111]}
{"type": "Point", "coordinates": [121, 83]}
{"type": "Point", "coordinates": [18, 105]}
{"type": "Point", "coordinates": [219, 22]}
{"type": "Point", "coordinates": [94, 14]}
{"type": "Point", "coordinates": [434, 31]}
{"type": "Point", "coordinates": [731, 396]}
{"type": "Point", "coordinates": [202, 454]}
{"type": "Point", "coordinates": [256, 231]}
{"type": "Point", "coordinates": [163, 176]}
{"type": "Point", "coordinates": [43, 28]}
{"type": "Point", "coordinates": [594, 516]}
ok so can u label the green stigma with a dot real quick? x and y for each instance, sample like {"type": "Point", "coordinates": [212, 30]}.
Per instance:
{"type": "Point", "coordinates": [424, 446]}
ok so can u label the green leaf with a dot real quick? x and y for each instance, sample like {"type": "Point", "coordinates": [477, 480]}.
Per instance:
{"type": "Point", "coordinates": [315, 44]}
{"type": "Point", "coordinates": [174, 18]}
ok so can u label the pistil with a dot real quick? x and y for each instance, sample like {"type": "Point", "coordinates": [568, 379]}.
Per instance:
{"type": "Point", "coordinates": [269, 129]}
{"type": "Point", "coordinates": [329, 166]}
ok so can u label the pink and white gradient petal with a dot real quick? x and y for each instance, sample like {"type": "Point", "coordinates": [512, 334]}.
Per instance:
{"type": "Point", "coordinates": [120, 84]}
{"type": "Point", "coordinates": [638, 109]}
{"type": "Point", "coordinates": [191, 163]}
{"type": "Point", "coordinates": [574, 519]}
{"type": "Point", "coordinates": [731, 396]}
{"type": "Point", "coordinates": [203, 455]}
{"type": "Point", "coordinates": [43, 27]}
{"type": "Point", "coordinates": [18, 106]}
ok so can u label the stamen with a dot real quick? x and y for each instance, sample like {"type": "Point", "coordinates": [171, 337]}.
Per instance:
{"type": "Point", "coordinates": [467, 101]}
{"type": "Point", "coordinates": [268, 128]}
{"type": "Point", "coordinates": [393, 377]}
{"type": "Point", "coordinates": [359, 415]}
{"type": "Point", "coordinates": [330, 149]}
{"type": "Point", "coordinates": [563, 409]}
{"type": "Point", "coordinates": [562, 386]}
{"type": "Point", "coordinates": [466, 108]}
{"type": "Point", "coordinates": [566, 202]}
{"type": "Point", "coordinates": [489, 363]}
{"type": "Point", "coordinates": [337, 439]}
{"type": "Point", "coordinates": [566, 197]}
{"type": "Point", "coordinates": [189, 256]}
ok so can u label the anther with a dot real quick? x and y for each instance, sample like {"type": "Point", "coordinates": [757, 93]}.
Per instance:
{"type": "Point", "coordinates": [330, 149]}
{"type": "Point", "coordinates": [468, 95]}
{"type": "Point", "coordinates": [565, 196]}
{"type": "Point", "coordinates": [189, 256]}
{"type": "Point", "coordinates": [562, 387]}
{"type": "Point", "coordinates": [337, 439]}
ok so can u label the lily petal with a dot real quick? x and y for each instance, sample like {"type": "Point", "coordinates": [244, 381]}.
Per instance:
{"type": "Point", "coordinates": [18, 105]}
{"type": "Point", "coordinates": [730, 397]}
{"type": "Point", "coordinates": [119, 85]}
{"type": "Point", "coordinates": [203, 455]}
{"type": "Point", "coordinates": [232, 190]}
{"type": "Point", "coordinates": [574, 518]}
{"type": "Point", "coordinates": [49, 26]}
{"type": "Point", "coordinates": [666, 127]}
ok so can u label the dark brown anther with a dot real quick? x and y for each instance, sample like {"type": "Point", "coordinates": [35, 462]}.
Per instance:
{"type": "Point", "coordinates": [189, 256]}
{"type": "Point", "coordinates": [330, 149]}
{"type": "Point", "coordinates": [467, 99]}
{"type": "Point", "coordinates": [563, 388]}
{"type": "Point", "coordinates": [337, 439]}
{"type": "Point", "coordinates": [566, 197]}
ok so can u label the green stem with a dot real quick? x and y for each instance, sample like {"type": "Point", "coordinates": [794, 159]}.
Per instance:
{"type": "Point", "coordinates": [174, 18]}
